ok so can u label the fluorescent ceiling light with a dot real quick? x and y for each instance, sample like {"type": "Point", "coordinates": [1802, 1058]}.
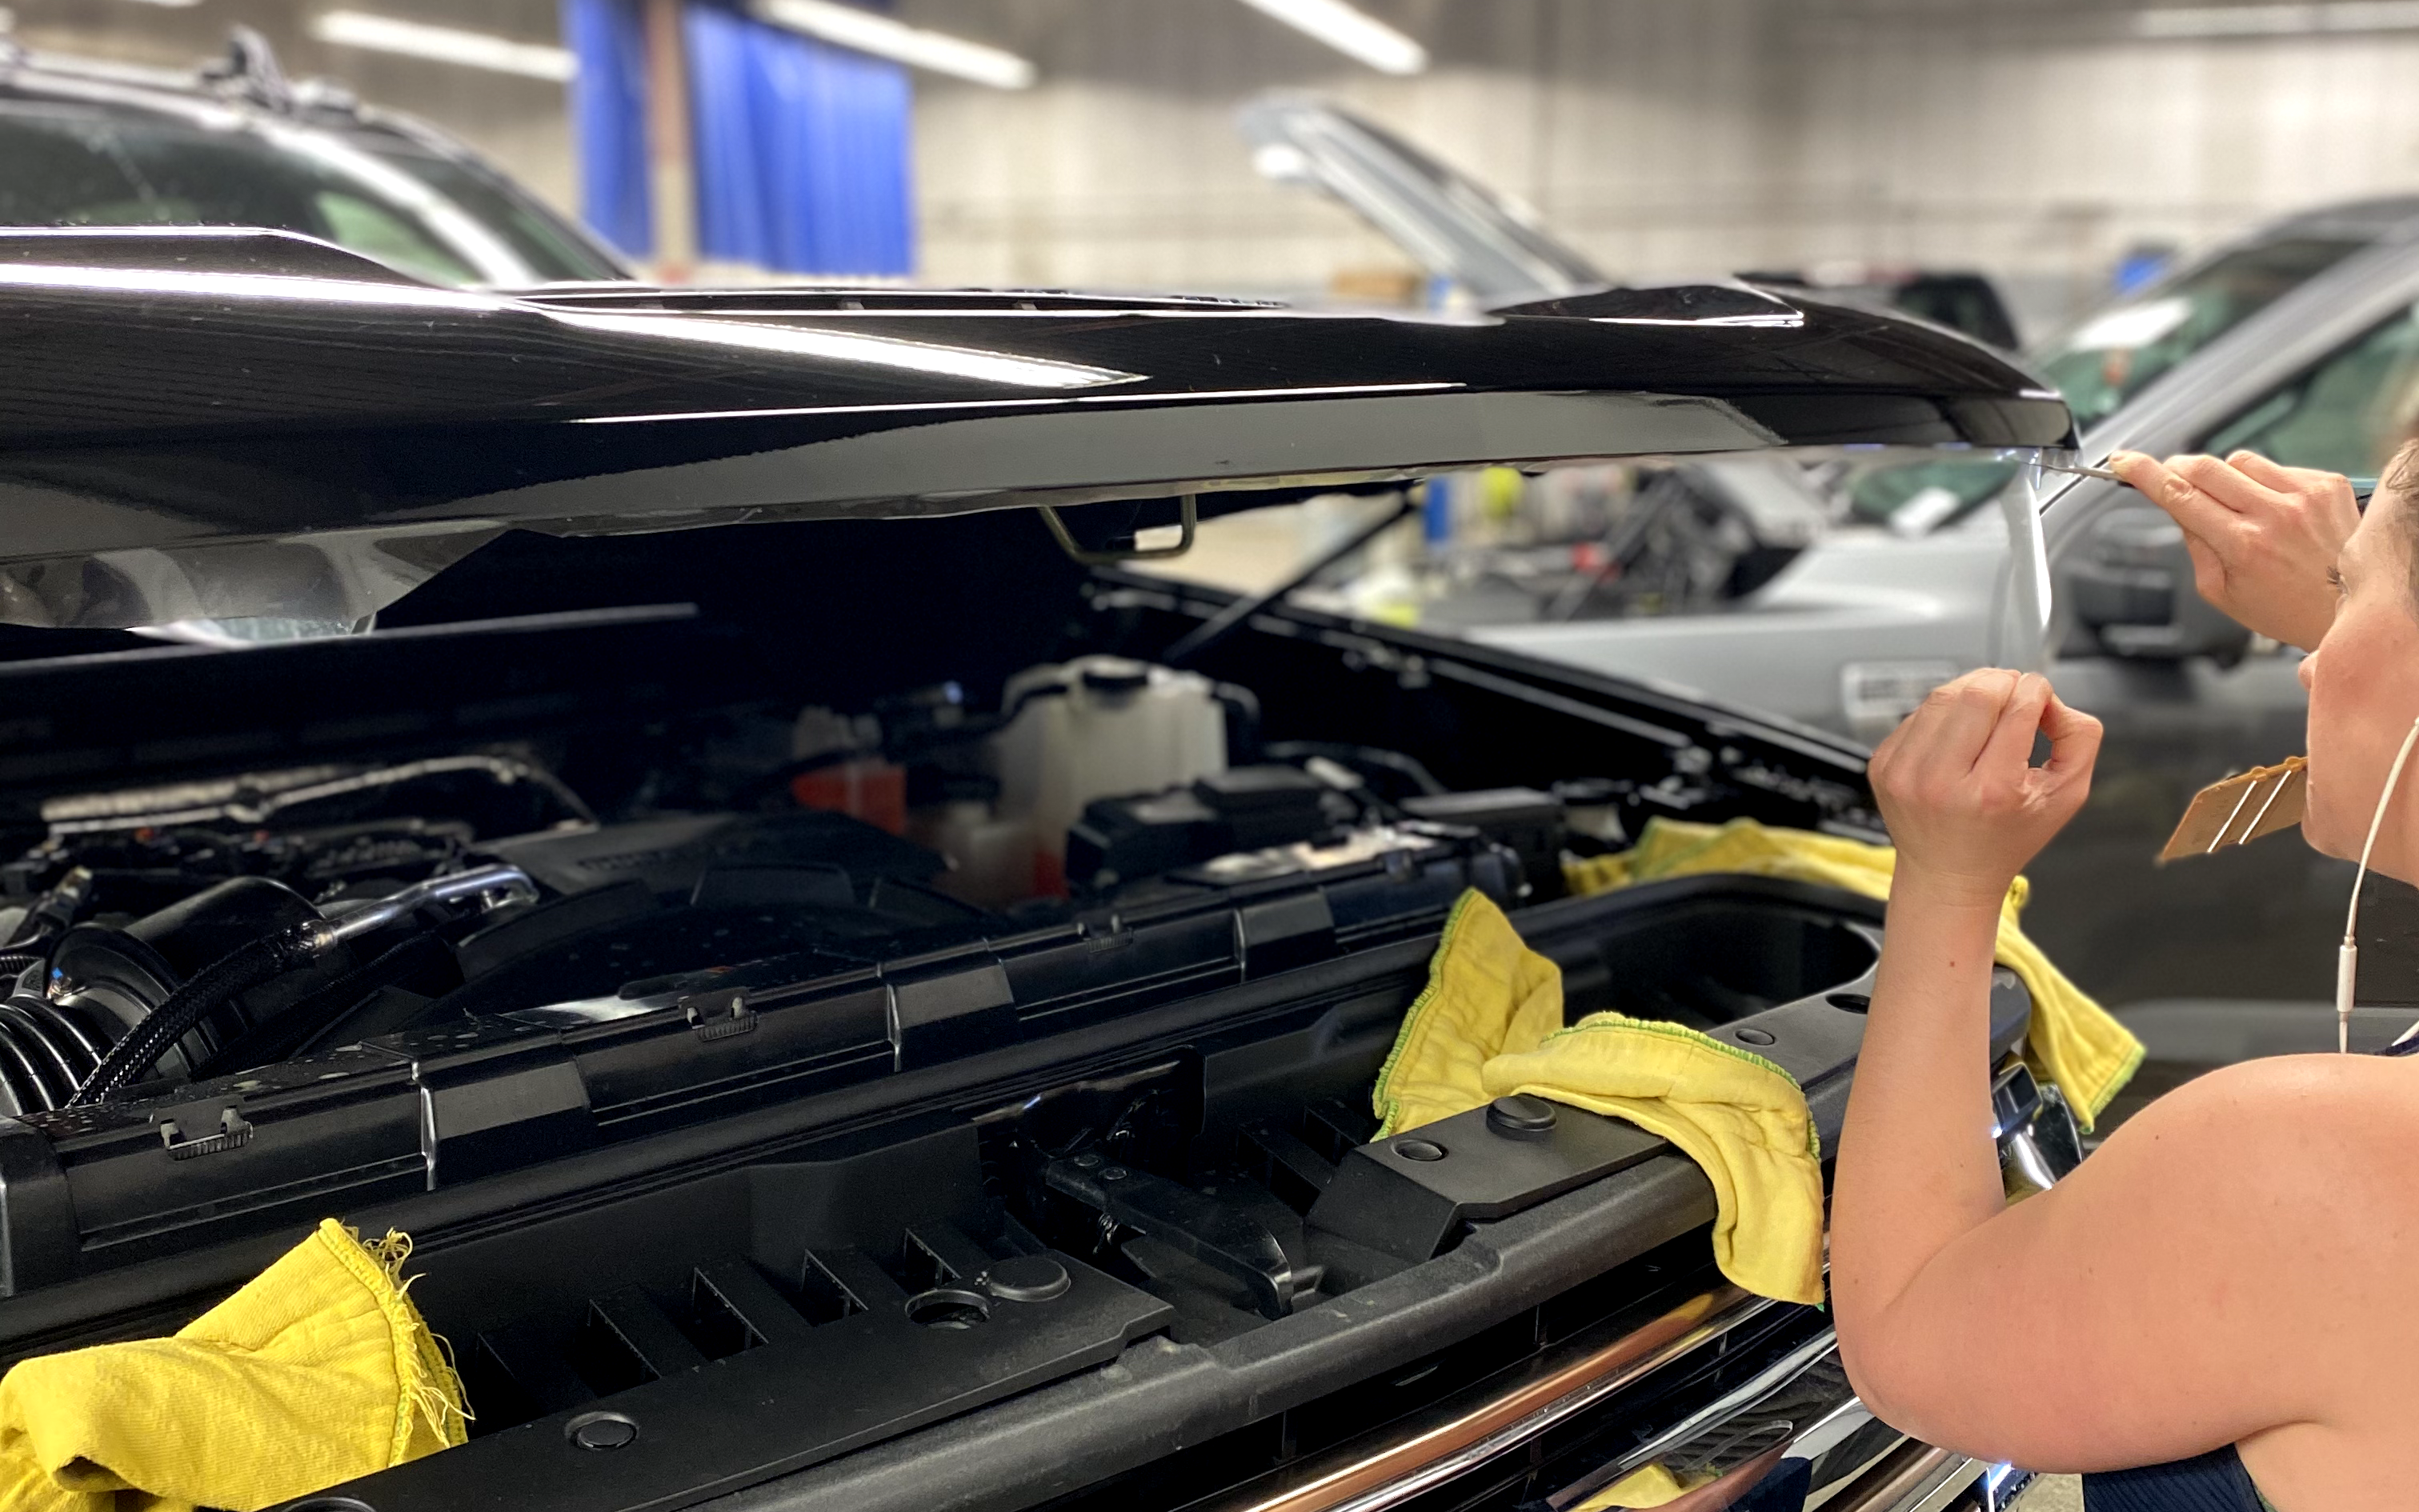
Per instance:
{"type": "Point", "coordinates": [841, 347]}
{"type": "Point", "coordinates": [1355, 34]}
{"type": "Point", "coordinates": [445, 44]}
{"type": "Point", "coordinates": [868, 31]}
{"type": "Point", "coordinates": [2281, 21]}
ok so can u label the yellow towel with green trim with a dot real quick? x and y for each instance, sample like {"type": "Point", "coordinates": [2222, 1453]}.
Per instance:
{"type": "Point", "coordinates": [317, 1371]}
{"type": "Point", "coordinates": [2072, 1041]}
{"type": "Point", "coordinates": [1490, 1025]}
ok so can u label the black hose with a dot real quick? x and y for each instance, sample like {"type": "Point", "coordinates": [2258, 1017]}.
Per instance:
{"type": "Point", "coordinates": [238, 971]}
{"type": "Point", "coordinates": [295, 1029]}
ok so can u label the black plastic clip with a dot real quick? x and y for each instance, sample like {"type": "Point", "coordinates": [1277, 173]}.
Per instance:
{"type": "Point", "coordinates": [234, 1133]}
{"type": "Point", "coordinates": [720, 1013]}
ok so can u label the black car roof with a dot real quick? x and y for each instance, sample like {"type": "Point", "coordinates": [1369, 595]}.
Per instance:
{"type": "Point", "coordinates": [190, 391]}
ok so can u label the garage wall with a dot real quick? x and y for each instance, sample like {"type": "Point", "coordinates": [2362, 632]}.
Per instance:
{"type": "Point", "coordinates": [2043, 145]}
{"type": "Point", "coordinates": [2034, 138]}
{"type": "Point", "coordinates": [1641, 130]}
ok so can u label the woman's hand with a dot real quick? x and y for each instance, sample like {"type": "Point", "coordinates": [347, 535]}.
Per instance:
{"type": "Point", "coordinates": [1965, 806]}
{"type": "Point", "coordinates": [2261, 536]}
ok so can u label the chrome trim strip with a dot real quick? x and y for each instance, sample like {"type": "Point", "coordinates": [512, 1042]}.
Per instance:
{"type": "Point", "coordinates": [1372, 1479]}
{"type": "Point", "coordinates": [1913, 1478]}
{"type": "Point", "coordinates": [1729, 1405]}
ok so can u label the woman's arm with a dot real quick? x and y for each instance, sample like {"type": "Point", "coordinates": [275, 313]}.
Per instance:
{"type": "Point", "coordinates": [1923, 1076]}
{"type": "Point", "coordinates": [2168, 1297]}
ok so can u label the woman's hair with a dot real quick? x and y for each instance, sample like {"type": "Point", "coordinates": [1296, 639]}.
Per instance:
{"type": "Point", "coordinates": [2401, 475]}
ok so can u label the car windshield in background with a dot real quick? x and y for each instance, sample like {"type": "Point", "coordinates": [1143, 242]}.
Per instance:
{"type": "Point", "coordinates": [377, 194]}
{"type": "Point", "coordinates": [2118, 353]}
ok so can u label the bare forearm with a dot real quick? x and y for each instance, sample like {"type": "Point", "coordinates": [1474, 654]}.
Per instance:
{"type": "Point", "coordinates": [1917, 1165]}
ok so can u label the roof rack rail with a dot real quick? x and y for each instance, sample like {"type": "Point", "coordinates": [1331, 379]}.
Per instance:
{"type": "Point", "coordinates": [249, 68]}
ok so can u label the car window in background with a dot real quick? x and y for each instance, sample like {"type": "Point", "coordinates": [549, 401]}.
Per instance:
{"type": "Point", "coordinates": [2347, 415]}
{"type": "Point", "coordinates": [2118, 352]}
{"type": "Point", "coordinates": [1569, 544]}
{"type": "Point", "coordinates": [1961, 301]}
{"type": "Point", "coordinates": [413, 210]}
{"type": "Point", "coordinates": [1915, 498]}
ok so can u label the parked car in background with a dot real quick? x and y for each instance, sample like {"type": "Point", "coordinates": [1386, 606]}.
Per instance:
{"type": "Point", "coordinates": [843, 1020]}
{"type": "Point", "coordinates": [2300, 342]}
{"type": "Point", "coordinates": [2122, 349]}
{"type": "Point", "coordinates": [237, 144]}
{"type": "Point", "coordinates": [1839, 592]}
{"type": "Point", "coordinates": [1486, 248]}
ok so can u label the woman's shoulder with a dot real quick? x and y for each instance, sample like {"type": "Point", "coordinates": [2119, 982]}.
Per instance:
{"type": "Point", "coordinates": [2278, 1093]}
{"type": "Point", "coordinates": [2316, 1152]}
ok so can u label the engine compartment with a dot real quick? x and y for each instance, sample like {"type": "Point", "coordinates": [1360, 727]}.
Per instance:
{"type": "Point", "coordinates": [865, 1039]}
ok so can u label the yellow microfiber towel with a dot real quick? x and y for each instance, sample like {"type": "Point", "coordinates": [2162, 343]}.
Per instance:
{"type": "Point", "coordinates": [1648, 1486]}
{"type": "Point", "coordinates": [2072, 1041]}
{"type": "Point", "coordinates": [317, 1371]}
{"type": "Point", "coordinates": [1491, 1025]}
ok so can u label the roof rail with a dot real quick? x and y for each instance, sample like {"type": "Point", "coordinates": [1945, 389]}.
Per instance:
{"type": "Point", "coordinates": [249, 70]}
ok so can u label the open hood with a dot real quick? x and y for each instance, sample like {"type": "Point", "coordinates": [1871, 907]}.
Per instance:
{"type": "Point", "coordinates": [1450, 224]}
{"type": "Point", "coordinates": [230, 424]}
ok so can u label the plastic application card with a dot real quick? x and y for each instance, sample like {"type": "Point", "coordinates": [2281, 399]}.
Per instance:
{"type": "Point", "coordinates": [2242, 807]}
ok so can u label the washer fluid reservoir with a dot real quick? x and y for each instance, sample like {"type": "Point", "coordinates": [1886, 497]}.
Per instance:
{"type": "Point", "coordinates": [1099, 726]}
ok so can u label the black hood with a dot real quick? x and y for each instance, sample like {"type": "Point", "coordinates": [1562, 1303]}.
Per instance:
{"type": "Point", "coordinates": [216, 424]}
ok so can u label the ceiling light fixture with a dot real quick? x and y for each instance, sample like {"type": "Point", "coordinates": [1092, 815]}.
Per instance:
{"type": "Point", "coordinates": [868, 31]}
{"type": "Point", "coordinates": [2326, 16]}
{"type": "Point", "coordinates": [445, 44]}
{"type": "Point", "coordinates": [1355, 34]}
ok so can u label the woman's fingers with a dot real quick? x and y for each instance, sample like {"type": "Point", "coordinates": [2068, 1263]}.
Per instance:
{"type": "Point", "coordinates": [2282, 478]}
{"type": "Point", "coordinates": [1958, 720]}
{"type": "Point", "coordinates": [2261, 535]}
{"type": "Point", "coordinates": [2073, 738]}
{"type": "Point", "coordinates": [2233, 489]}
{"type": "Point", "coordinates": [2010, 751]}
{"type": "Point", "coordinates": [1956, 784]}
{"type": "Point", "coordinates": [2196, 510]}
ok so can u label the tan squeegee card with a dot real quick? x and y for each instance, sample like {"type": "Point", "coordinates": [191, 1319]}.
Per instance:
{"type": "Point", "coordinates": [2242, 807]}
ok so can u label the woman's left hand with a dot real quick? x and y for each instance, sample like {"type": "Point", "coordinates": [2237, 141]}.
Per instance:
{"type": "Point", "coordinates": [1965, 806]}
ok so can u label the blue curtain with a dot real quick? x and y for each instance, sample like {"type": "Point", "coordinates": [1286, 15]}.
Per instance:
{"type": "Point", "coordinates": [802, 150]}
{"type": "Point", "coordinates": [608, 119]}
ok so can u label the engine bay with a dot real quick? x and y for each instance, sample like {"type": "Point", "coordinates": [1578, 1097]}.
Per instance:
{"type": "Point", "coordinates": [935, 1037]}
{"type": "Point", "coordinates": [442, 890]}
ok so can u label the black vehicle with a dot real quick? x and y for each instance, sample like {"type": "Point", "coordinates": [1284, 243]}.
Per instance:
{"type": "Point", "coordinates": [237, 144]}
{"type": "Point", "coordinates": [747, 1156]}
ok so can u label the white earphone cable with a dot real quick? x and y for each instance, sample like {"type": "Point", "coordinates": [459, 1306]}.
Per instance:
{"type": "Point", "coordinates": [2347, 958]}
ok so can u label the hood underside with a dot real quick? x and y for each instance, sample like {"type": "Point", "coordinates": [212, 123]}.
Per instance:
{"type": "Point", "coordinates": [229, 424]}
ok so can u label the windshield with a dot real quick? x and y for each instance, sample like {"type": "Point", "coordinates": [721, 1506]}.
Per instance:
{"type": "Point", "coordinates": [2116, 354]}
{"type": "Point", "coordinates": [380, 195]}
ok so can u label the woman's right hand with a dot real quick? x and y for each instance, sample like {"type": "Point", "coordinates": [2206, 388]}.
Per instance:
{"type": "Point", "coordinates": [1965, 806]}
{"type": "Point", "coordinates": [2262, 537]}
